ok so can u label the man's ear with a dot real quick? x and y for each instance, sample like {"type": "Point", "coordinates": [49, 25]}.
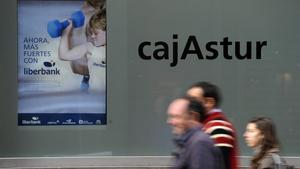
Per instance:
{"type": "Point", "coordinates": [210, 102]}
{"type": "Point", "coordinates": [195, 115]}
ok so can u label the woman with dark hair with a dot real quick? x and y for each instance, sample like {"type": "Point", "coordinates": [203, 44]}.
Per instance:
{"type": "Point", "coordinates": [260, 135]}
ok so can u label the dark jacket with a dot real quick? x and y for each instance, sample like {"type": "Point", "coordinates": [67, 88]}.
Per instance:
{"type": "Point", "coordinates": [197, 151]}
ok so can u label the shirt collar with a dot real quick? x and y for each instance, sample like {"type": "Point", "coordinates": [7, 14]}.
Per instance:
{"type": "Point", "coordinates": [214, 110]}
{"type": "Point", "coordinates": [182, 139]}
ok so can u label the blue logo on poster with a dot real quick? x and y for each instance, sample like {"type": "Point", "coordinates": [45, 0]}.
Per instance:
{"type": "Point", "coordinates": [49, 64]}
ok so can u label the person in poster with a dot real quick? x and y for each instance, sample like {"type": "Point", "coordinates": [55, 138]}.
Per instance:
{"type": "Point", "coordinates": [93, 50]}
{"type": "Point", "coordinates": [79, 66]}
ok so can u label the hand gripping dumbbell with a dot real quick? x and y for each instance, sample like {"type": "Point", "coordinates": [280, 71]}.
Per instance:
{"type": "Point", "coordinates": [55, 28]}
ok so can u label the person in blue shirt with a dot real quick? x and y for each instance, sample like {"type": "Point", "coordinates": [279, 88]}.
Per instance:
{"type": "Point", "coordinates": [195, 149]}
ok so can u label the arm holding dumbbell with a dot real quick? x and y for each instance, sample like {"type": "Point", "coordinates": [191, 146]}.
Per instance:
{"type": "Point", "coordinates": [67, 53]}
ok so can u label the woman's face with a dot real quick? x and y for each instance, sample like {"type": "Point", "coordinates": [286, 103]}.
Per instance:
{"type": "Point", "coordinates": [253, 136]}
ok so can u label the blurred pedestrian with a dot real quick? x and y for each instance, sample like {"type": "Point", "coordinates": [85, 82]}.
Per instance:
{"type": "Point", "coordinates": [196, 149]}
{"type": "Point", "coordinates": [215, 122]}
{"type": "Point", "coordinates": [260, 135]}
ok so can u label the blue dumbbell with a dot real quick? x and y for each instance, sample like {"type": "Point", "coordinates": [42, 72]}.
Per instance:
{"type": "Point", "coordinates": [55, 28]}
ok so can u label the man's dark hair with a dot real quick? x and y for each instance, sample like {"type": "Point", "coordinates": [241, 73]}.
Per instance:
{"type": "Point", "coordinates": [209, 90]}
{"type": "Point", "coordinates": [195, 106]}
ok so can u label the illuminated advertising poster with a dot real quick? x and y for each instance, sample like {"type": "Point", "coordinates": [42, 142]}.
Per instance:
{"type": "Point", "coordinates": [61, 62]}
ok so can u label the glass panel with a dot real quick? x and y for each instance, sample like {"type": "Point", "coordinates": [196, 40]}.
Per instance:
{"type": "Point", "coordinates": [139, 90]}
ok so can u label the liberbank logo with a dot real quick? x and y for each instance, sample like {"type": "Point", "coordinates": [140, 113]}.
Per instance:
{"type": "Point", "coordinates": [34, 120]}
{"type": "Point", "coordinates": [49, 70]}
